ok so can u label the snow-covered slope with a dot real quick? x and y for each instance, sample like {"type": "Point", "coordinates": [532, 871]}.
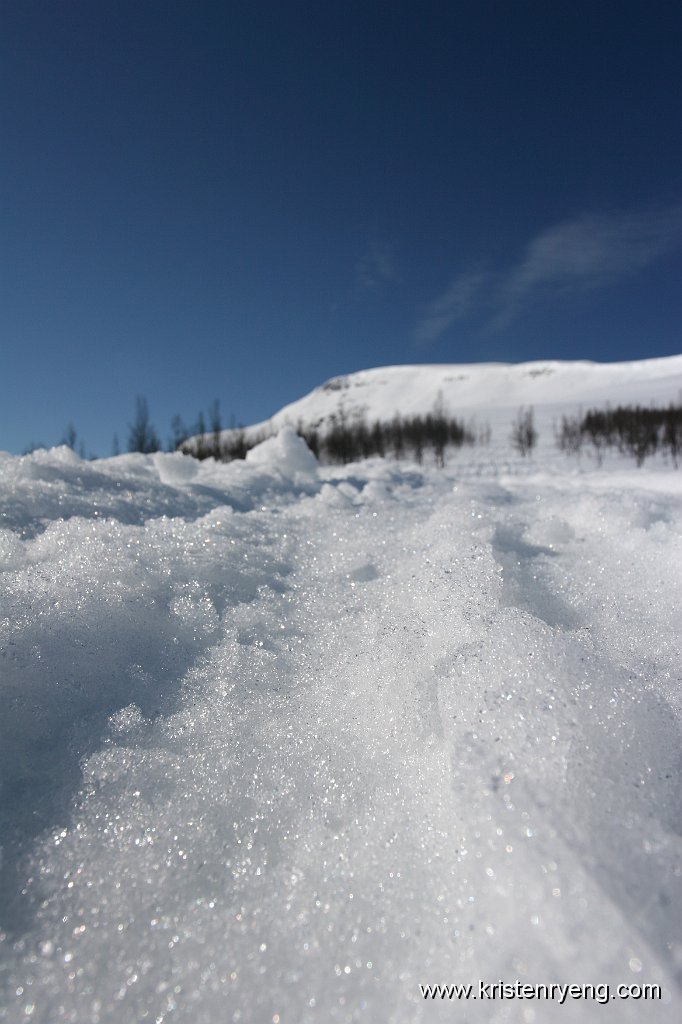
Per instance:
{"type": "Point", "coordinates": [281, 742]}
{"type": "Point", "coordinates": [489, 392]}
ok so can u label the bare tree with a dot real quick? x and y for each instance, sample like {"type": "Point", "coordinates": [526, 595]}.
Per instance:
{"type": "Point", "coordinates": [179, 433]}
{"type": "Point", "coordinates": [70, 436]}
{"type": "Point", "coordinates": [216, 426]}
{"type": "Point", "coordinates": [141, 436]}
{"type": "Point", "coordinates": [524, 436]}
{"type": "Point", "coordinates": [439, 430]}
{"type": "Point", "coordinates": [202, 445]}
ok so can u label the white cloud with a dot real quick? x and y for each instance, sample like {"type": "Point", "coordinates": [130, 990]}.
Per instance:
{"type": "Point", "coordinates": [454, 304]}
{"type": "Point", "coordinates": [589, 252]}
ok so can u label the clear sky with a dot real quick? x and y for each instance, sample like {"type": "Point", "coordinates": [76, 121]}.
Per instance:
{"type": "Point", "coordinates": [204, 199]}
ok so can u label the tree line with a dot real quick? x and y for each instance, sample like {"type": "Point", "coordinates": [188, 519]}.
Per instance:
{"type": "Point", "coordinates": [142, 434]}
{"type": "Point", "coordinates": [634, 430]}
{"type": "Point", "coordinates": [348, 438]}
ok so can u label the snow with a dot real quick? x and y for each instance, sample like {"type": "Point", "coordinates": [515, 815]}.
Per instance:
{"type": "Point", "coordinates": [285, 454]}
{"type": "Point", "coordinates": [280, 742]}
{"type": "Point", "coordinates": [488, 393]}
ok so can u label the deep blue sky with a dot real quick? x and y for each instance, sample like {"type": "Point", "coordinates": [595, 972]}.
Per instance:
{"type": "Point", "coordinates": [239, 200]}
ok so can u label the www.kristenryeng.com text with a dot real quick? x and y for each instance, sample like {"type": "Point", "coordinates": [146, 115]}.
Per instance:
{"type": "Point", "coordinates": [599, 993]}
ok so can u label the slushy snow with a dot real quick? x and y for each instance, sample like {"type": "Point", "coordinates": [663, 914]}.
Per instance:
{"type": "Point", "coordinates": [281, 742]}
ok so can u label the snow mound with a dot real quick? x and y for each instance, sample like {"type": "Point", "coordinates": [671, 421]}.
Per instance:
{"type": "Point", "coordinates": [283, 743]}
{"type": "Point", "coordinates": [285, 453]}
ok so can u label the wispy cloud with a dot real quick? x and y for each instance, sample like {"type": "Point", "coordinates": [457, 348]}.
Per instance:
{"type": "Point", "coordinates": [454, 304]}
{"type": "Point", "coordinates": [589, 252]}
{"type": "Point", "coordinates": [375, 267]}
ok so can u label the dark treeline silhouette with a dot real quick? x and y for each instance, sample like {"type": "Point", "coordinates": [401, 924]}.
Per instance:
{"type": "Point", "coordinates": [142, 436]}
{"type": "Point", "coordinates": [524, 436]}
{"type": "Point", "coordinates": [634, 430]}
{"type": "Point", "coordinates": [70, 439]}
{"type": "Point", "coordinates": [346, 439]}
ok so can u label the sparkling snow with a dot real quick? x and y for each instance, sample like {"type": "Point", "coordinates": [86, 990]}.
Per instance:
{"type": "Point", "coordinates": [280, 742]}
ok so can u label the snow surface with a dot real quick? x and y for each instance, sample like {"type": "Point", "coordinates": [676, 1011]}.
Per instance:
{"type": "Point", "coordinates": [281, 742]}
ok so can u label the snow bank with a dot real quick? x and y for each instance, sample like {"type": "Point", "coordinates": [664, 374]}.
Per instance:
{"type": "Point", "coordinates": [281, 743]}
{"type": "Point", "coordinates": [487, 394]}
{"type": "Point", "coordinates": [50, 485]}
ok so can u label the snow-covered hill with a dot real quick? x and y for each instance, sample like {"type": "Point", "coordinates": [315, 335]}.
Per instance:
{"type": "Point", "coordinates": [282, 742]}
{"type": "Point", "coordinates": [490, 392]}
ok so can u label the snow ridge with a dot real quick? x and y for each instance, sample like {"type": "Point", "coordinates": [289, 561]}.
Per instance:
{"type": "Point", "coordinates": [489, 392]}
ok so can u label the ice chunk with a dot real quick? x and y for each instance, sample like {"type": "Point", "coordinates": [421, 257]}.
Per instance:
{"type": "Point", "coordinates": [174, 468]}
{"type": "Point", "coordinates": [285, 453]}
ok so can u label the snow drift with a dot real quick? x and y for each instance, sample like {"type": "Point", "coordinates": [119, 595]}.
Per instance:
{"type": "Point", "coordinates": [282, 742]}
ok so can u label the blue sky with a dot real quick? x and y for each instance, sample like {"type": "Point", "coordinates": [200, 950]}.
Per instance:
{"type": "Point", "coordinates": [237, 201]}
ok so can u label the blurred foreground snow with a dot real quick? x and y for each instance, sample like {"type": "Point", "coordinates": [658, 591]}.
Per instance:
{"type": "Point", "coordinates": [279, 743]}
